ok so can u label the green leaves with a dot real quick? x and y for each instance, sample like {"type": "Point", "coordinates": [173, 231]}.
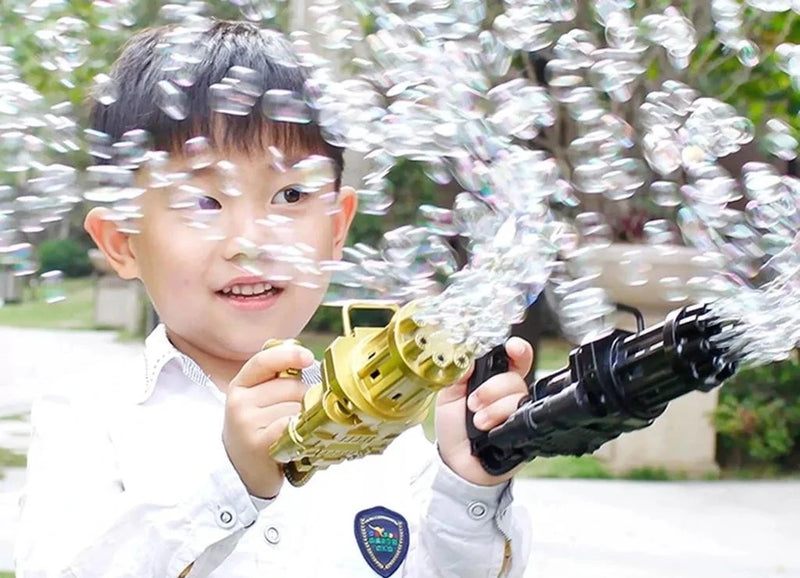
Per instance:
{"type": "Point", "coordinates": [758, 415]}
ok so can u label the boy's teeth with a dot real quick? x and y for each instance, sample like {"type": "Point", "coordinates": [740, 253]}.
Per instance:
{"type": "Point", "coordinates": [248, 290]}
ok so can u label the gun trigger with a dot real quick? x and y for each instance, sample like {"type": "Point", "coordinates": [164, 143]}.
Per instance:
{"type": "Point", "coordinates": [493, 363]}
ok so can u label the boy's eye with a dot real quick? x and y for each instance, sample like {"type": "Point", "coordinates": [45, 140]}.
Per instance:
{"type": "Point", "coordinates": [205, 203]}
{"type": "Point", "coordinates": [288, 196]}
{"type": "Point", "coordinates": [191, 198]}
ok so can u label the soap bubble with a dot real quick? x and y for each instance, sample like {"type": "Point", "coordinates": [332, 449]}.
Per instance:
{"type": "Point", "coordinates": [780, 140]}
{"type": "Point", "coordinates": [172, 100]}
{"type": "Point", "coordinates": [51, 286]}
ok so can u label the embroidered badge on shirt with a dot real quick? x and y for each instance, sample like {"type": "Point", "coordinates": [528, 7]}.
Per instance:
{"type": "Point", "coordinates": [382, 537]}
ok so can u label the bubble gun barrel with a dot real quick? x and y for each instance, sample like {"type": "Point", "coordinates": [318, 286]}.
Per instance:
{"type": "Point", "coordinates": [617, 383]}
{"type": "Point", "coordinates": [376, 383]}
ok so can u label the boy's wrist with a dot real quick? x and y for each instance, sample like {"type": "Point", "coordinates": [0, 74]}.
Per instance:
{"type": "Point", "coordinates": [459, 503]}
{"type": "Point", "coordinates": [261, 503]}
{"type": "Point", "coordinates": [449, 480]}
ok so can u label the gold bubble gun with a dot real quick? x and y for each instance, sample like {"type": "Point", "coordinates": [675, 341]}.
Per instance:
{"type": "Point", "coordinates": [376, 383]}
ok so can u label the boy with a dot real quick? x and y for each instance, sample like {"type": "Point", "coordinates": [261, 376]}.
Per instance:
{"type": "Point", "coordinates": [165, 471]}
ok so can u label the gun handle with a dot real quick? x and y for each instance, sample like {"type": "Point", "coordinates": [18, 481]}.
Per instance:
{"type": "Point", "coordinates": [493, 363]}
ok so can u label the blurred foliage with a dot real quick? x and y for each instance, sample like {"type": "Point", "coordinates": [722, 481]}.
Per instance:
{"type": "Point", "coordinates": [581, 467]}
{"type": "Point", "coordinates": [762, 92]}
{"type": "Point", "coordinates": [104, 44]}
{"type": "Point", "coordinates": [411, 189]}
{"type": "Point", "coordinates": [654, 474]}
{"type": "Point", "coordinates": [65, 255]}
{"type": "Point", "coordinates": [758, 417]}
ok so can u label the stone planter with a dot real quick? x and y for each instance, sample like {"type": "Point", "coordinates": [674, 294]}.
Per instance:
{"type": "Point", "coordinates": [682, 439]}
{"type": "Point", "coordinates": [11, 287]}
{"type": "Point", "coordinates": [118, 303]}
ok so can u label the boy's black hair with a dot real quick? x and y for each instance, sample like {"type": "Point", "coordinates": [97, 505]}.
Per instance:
{"type": "Point", "coordinates": [140, 68]}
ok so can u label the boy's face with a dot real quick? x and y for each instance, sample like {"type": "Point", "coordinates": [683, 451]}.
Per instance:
{"type": "Point", "coordinates": [196, 253]}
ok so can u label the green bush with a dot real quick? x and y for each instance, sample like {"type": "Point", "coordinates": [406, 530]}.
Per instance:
{"type": "Point", "coordinates": [68, 256]}
{"type": "Point", "coordinates": [654, 474]}
{"type": "Point", "coordinates": [758, 418]}
{"type": "Point", "coordinates": [581, 467]}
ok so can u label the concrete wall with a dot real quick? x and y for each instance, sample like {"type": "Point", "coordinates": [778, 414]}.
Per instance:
{"type": "Point", "coordinates": [119, 304]}
{"type": "Point", "coordinates": [682, 439]}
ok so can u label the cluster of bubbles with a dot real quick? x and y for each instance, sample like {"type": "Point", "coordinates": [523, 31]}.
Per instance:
{"type": "Point", "coordinates": [431, 81]}
{"type": "Point", "coordinates": [36, 190]}
{"type": "Point", "coordinates": [523, 246]}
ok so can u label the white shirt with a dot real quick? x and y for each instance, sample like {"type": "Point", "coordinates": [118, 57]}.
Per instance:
{"type": "Point", "coordinates": [129, 478]}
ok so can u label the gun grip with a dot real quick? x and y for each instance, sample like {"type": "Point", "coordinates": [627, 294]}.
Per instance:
{"type": "Point", "coordinates": [493, 363]}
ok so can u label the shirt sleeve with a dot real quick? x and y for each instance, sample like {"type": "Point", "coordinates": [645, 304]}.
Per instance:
{"type": "Point", "coordinates": [77, 519]}
{"type": "Point", "coordinates": [465, 530]}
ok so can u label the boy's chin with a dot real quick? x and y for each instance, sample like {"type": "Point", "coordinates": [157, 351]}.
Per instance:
{"type": "Point", "coordinates": [244, 345]}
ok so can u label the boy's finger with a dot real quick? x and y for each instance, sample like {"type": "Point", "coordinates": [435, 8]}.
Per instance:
{"type": "Point", "coordinates": [274, 430]}
{"type": "Point", "coordinates": [496, 413]}
{"type": "Point", "coordinates": [266, 417]}
{"type": "Point", "coordinates": [452, 393]}
{"type": "Point", "coordinates": [496, 388]}
{"type": "Point", "coordinates": [272, 392]}
{"type": "Point", "coordinates": [520, 353]}
{"type": "Point", "coordinates": [465, 378]}
{"type": "Point", "coordinates": [268, 364]}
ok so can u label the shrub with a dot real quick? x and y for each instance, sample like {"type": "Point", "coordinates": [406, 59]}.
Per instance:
{"type": "Point", "coordinates": [758, 417]}
{"type": "Point", "coordinates": [66, 255]}
{"type": "Point", "coordinates": [654, 474]}
{"type": "Point", "coordinates": [582, 467]}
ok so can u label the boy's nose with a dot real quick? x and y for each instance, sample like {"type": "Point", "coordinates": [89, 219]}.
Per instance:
{"type": "Point", "coordinates": [248, 233]}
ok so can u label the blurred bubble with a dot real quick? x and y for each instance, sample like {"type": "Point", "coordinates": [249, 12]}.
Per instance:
{"type": "Point", "coordinates": [659, 232]}
{"type": "Point", "coordinates": [285, 106]}
{"type": "Point", "coordinates": [662, 150]}
{"type": "Point", "coordinates": [198, 152]}
{"type": "Point", "coordinates": [748, 53]}
{"type": "Point", "coordinates": [634, 269]}
{"type": "Point", "coordinates": [172, 100]}
{"type": "Point", "coordinates": [673, 289]}
{"type": "Point", "coordinates": [315, 172]}
{"type": "Point", "coordinates": [780, 141]}
{"type": "Point", "coordinates": [376, 200]}
{"type": "Point", "coordinates": [229, 178]}
{"type": "Point", "coordinates": [51, 286]}
{"type": "Point", "coordinates": [105, 90]}
{"type": "Point", "coordinates": [133, 149]}
{"type": "Point", "coordinates": [437, 220]}
{"type": "Point", "coordinates": [237, 92]}
{"type": "Point", "coordinates": [665, 193]}
{"type": "Point", "coordinates": [593, 229]}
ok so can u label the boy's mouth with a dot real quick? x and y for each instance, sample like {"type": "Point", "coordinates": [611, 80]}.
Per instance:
{"type": "Point", "coordinates": [246, 291]}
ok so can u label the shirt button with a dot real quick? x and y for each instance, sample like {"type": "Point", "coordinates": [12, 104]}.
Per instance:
{"type": "Point", "coordinates": [477, 510]}
{"type": "Point", "coordinates": [226, 518]}
{"type": "Point", "coordinates": [272, 535]}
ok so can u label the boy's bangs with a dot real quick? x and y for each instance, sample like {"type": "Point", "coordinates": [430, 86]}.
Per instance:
{"type": "Point", "coordinates": [142, 68]}
{"type": "Point", "coordinates": [251, 136]}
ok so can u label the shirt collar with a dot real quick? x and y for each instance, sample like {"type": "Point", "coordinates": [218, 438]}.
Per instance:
{"type": "Point", "coordinates": [159, 351]}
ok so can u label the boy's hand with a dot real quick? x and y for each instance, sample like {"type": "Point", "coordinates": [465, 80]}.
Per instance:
{"type": "Point", "coordinates": [493, 401]}
{"type": "Point", "coordinates": [258, 407]}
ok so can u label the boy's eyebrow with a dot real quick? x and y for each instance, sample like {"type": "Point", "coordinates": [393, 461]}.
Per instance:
{"type": "Point", "coordinates": [211, 171]}
{"type": "Point", "coordinates": [205, 172]}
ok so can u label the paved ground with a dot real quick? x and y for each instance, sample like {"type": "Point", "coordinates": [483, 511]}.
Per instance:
{"type": "Point", "coordinates": [581, 529]}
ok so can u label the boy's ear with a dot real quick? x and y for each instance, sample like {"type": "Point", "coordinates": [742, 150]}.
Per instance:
{"type": "Point", "coordinates": [113, 243]}
{"type": "Point", "coordinates": [347, 202]}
